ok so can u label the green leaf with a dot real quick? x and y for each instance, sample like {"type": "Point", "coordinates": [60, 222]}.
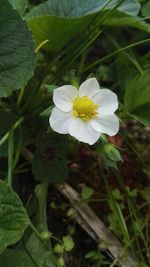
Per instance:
{"type": "Point", "coordinates": [47, 111]}
{"type": "Point", "coordinates": [137, 98]}
{"type": "Point", "coordinates": [50, 88]}
{"type": "Point", "coordinates": [59, 21]}
{"type": "Point", "coordinates": [86, 193]}
{"type": "Point", "coordinates": [146, 193]}
{"type": "Point", "coordinates": [59, 249]}
{"type": "Point", "coordinates": [17, 57]}
{"type": "Point", "coordinates": [116, 194]}
{"type": "Point", "coordinates": [15, 259]}
{"type": "Point", "coordinates": [13, 217]}
{"type": "Point", "coordinates": [132, 193]}
{"type": "Point", "coordinates": [146, 9]}
{"type": "Point", "coordinates": [95, 256]}
{"type": "Point", "coordinates": [71, 213]}
{"type": "Point", "coordinates": [42, 256]}
{"type": "Point", "coordinates": [141, 114]}
{"type": "Point", "coordinates": [68, 243]}
{"type": "Point", "coordinates": [50, 158]}
{"type": "Point", "coordinates": [78, 8]}
{"type": "Point", "coordinates": [20, 5]}
{"type": "Point", "coordinates": [120, 19]}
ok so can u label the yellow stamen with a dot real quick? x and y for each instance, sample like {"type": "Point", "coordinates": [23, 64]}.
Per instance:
{"type": "Point", "coordinates": [84, 108]}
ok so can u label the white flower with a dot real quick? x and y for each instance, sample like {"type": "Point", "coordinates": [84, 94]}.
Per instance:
{"type": "Point", "coordinates": [84, 113]}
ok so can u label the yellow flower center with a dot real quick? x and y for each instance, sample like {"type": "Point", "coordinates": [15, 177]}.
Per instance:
{"type": "Point", "coordinates": [84, 108]}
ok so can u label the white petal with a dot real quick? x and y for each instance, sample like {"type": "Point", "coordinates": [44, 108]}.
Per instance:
{"type": "Point", "coordinates": [63, 97]}
{"type": "Point", "coordinates": [59, 120]}
{"type": "Point", "coordinates": [83, 131]}
{"type": "Point", "coordinates": [107, 100]}
{"type": "Point", "coordinates": [108, 124]}
{"type": "Point", "coordinates": [89, 88]}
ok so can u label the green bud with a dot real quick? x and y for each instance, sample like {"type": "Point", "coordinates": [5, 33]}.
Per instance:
{"type": "Point", "coordinates": [112, 152]}
{"type": "Point", "coordinates": [46, 235]}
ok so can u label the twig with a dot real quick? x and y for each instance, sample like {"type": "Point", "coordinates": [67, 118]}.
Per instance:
{"type": "Point", "coordinates": [92, 224]}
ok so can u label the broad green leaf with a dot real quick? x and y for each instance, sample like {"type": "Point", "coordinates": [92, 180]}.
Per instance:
{"type": "Point", "coordinates": [15, 259]}
{"type": "Point", "coordinates": [17, 57]}
{"type": "Point", "coordinates": [137, 98]}
{"type": "Point", "coordinates": [20, 5]}
{"type": "Point", "coordinates": [59, 21]}
{"type": "Point", "coordinates": [78, 8]}
{"type": "Point", "coordinates": [146, 9]}
{"type": "Point", "coordinates": [50, 159]}
{"type": "Point", "coordinates": [13, 217]}
{"type": "Point", "coordinates": [41, 254]}
{"type": "Point", "coordinates": [142, 114]}
{"type": "Point", "coordinates": [129, 7]}
{"type": "Point", "coordinates": [38, 255]}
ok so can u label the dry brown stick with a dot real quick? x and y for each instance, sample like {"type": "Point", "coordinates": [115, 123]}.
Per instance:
{"type": "Point", "coordinates": [92, 224]}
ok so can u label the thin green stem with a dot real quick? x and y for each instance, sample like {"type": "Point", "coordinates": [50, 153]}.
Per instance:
{"type": "Point", "coordinates": [10, 156]}
{"type": "Point", "coordinates": [115, 53]}
{"type": "Point", "coordinates": [31, 258]}
{"type": "Point", "coordinates": [5, 137]}
{"type": "Point", "coordinates": [111, 11]}
{"type": "Point", "coordinates": [114, 263]}
{"type": "Point", "coordinates": [41, 194]}
{"type": "Point", "coordinates": [21, 93]}
{"type": "Point", "coordinates": [86, 40]}
{"type": "Point", "coordinates": [132, 60]}
{"type": "Point", "coordinates": [76, 49]}
{"type": "Point", "coordinates": [45, 244]}
{"type": "Point", "coordinates": [38, 235]}
{"type": "Point", "coordinates": [18, 149]}
{"type": "Point", "coordinates": [140, 19]}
